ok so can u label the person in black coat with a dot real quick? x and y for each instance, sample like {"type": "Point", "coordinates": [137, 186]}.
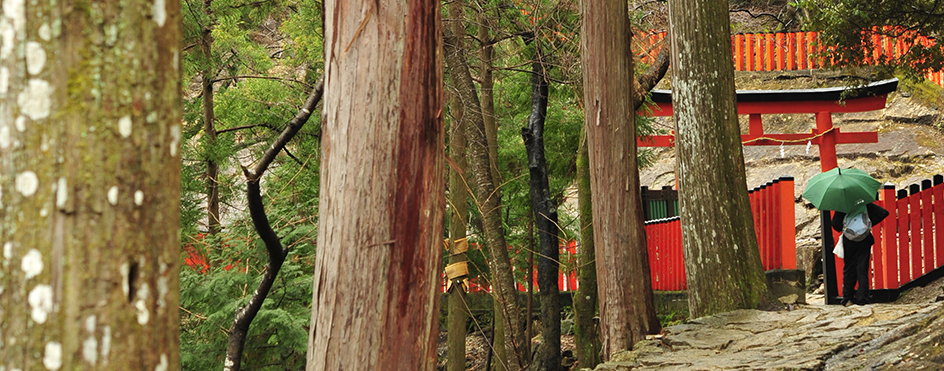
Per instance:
{"type": "Point", "coordinates": [857, 256]}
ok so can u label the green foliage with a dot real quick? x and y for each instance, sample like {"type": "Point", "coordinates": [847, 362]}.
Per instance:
{"type": "Point", "coordinates": [265, 56]}
{"type": "Point", "coordinates": [849, 25]}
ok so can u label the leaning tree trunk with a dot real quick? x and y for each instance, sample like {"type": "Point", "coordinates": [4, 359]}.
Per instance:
{"type": "Point", "coordinates": [545, 218]}
{"type": "Point", "coordinates": [377, 273]}
{"type": "Point", "coordinates": [627, 312]}
{"type": "Point", "coordinates": [90, 186]}
{"type": "Point", "coordinates": [722, 261]}
{"type": "Point", "coordinates": [277, 253]}
{"type": "Point", "coordinates": [488, 203]}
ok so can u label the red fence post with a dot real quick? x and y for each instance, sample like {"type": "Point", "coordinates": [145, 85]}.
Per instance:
{"type": "Point", "coordinates": [769, 53]}
{"type": "Point", "coordinates": [739, 52]}
{"type": "Point", "coordinates": [914, 216]}
{"type": "Point", "coordinates": [770, 237]}
{"type": "Point", "coordinates": [680, 264]}
{"type": "Point", "coordinates": [904, 247]}
{"type": "Point", "coordinates": [749, 52]}
{"type": "Point", "coordinates": [791, 50]}
{"type": "Point", "coordinates": [811, 50]}
{"type": "Point", "coordinates": [926, 227]}
{"type": "Point", "coordinates": [776, 246]}
{"type": "Point", "coordinates": [801, 50]}
{"type": "Point", "coordinates": [787, 223]}
{"type": "Point", "coordinates": [780, 46]}
{"type": "Point", "coordinates": [889, 239]}
{"type": "Point", "coordinates": [761, 226]}
{"type": "Point", "coordinates": [651, 236]}
{"type": "Point", "coordinates": [938, 191]}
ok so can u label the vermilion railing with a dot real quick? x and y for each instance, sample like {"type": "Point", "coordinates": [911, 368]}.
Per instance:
{"type": "Point", "coordinates": [772, 209]}
{"type": "Point", "coordinates": [792, 50]}
{"type": "Point", "coordinates": [910, 242]}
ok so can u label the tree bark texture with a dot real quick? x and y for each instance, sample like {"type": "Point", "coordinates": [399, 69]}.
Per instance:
{"type": "Point", "coordinates": [377, 273]}
{"type": "Point", "coordinates": [458, 211]}
{"type": "Point", "coordinates": [487, 87]}
{"type": "Point", "coordinates": [586, 334]}
{"type": "Point", "coordinates": [209, 126]}
{"type": "Point", "coordinates": [487, 200]}
{"type": "Point", "coordinates": [722, 261]}
{"type": "Point", "coordinates": [545, 217]}
{"type": "Point", "coordinates": [90, 185]}
{"type": "Point", "coordinates": [627, 312]}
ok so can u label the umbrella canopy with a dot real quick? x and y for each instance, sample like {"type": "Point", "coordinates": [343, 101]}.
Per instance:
{"type": "Point", "coordinates": [845, 190]}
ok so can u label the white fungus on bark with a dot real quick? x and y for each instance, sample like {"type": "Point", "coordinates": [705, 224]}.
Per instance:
{"type": "Point", "coordinates": [62, 193]}
{"type": "Point", "coordinates": [163, 365]}
{"type": "Point", "coordinates": [160, 12]}
{"type": "Point", "coordinates": [26, 183]}
{"type": "Point", "coordinates": [35, 58]}
{"type": "Point", "coordinates": [113, 195]}
{"type": "Point", "coordinates": [124, 126]}
{"type": "Point", "coordinates": [32, 263]}
{"type": "Point", "coordinates": [45, 32]}
{"type": "Point", "coordinates": [8, 250]}
{"type": "Point", "coordinates": [40, 302]}
{"type": "Point", "coordinates": [138, 197]}
{"type": "Point", "coordinates": [35, 101]}
{"type": "Point", "coordinates": [52, 357]}
{"type": "Point", "coordinates": [4, 137]}
{"type": "Point", "coordinates": [174, 139]}
{"type": "Point", "coordinates": [4, 80]}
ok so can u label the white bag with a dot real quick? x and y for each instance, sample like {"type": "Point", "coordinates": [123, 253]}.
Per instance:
{"type": "Point", "coordinates": [839, 250]}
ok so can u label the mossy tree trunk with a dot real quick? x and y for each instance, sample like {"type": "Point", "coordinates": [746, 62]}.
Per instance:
{"type": "Point", "coordinates": [458, 212]}
{"type": "Point", "coordinates": [722, 261]}
{"type": "Point", "coordinates": [90, 185]}
{"type": "Point", "coordinates": [586, 335]}
{"type": "Point", "coordinates": [377, 273]}
{"type": "Point", "coordinates": [627, 312]}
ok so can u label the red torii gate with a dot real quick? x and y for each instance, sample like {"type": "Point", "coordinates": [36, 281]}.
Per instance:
{"type": "Point", "coordinates": [821, 102]}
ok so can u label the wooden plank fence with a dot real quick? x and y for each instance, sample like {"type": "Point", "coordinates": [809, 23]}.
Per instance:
{"type": "Point", "coordinates": [909, 244]}
{"type": "Point", "coordinates": [790, 51]}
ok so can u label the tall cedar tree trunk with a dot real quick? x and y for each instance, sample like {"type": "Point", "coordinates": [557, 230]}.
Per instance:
{"type": "Point", "coordinates": [458, 199]}
{"type": "Point", "coordinates": [377, 273]}
{"type": "Point", "coordinates": [239, 329]}
{"type": "Point", "coordinates": [90, 186]}
{"type": "Point", "coordinates": [487, 201]}
{"type": "Point", "coordinates": [545, 218]}
{"type": "Point", "coordinates": [627, 312]}
{"type": "Point", "coordinates": [209, 126]}
{"type": "Point", "coordinates": [721, 257]}
{"type": "Point", "coordinates": [586, 334]}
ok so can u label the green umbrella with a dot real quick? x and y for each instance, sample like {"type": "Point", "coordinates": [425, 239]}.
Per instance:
{"type": "Point", "coordinates": [845, 190]}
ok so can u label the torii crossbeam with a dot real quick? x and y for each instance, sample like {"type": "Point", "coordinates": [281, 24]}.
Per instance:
{"type": "Point", "coordinates": [821, 102]}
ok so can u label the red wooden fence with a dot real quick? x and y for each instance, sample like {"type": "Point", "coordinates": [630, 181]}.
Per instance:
{"type": "Point", "coordinates": [910, 242]}
{"type": "Point", "coordinates": [772, 208]}
{"type": "Point", "coordinates": [792, 50]}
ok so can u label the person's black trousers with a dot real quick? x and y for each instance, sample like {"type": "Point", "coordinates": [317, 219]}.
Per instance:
{"type": "Point", "coordinates": [856, 270]}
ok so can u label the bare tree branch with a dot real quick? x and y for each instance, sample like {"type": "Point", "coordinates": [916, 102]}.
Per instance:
{"type": "Point", "coordinates": [277, 253]}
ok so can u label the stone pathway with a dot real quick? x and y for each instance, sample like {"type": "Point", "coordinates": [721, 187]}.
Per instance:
{"type": "Point", "coordinates": [810, 337]}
